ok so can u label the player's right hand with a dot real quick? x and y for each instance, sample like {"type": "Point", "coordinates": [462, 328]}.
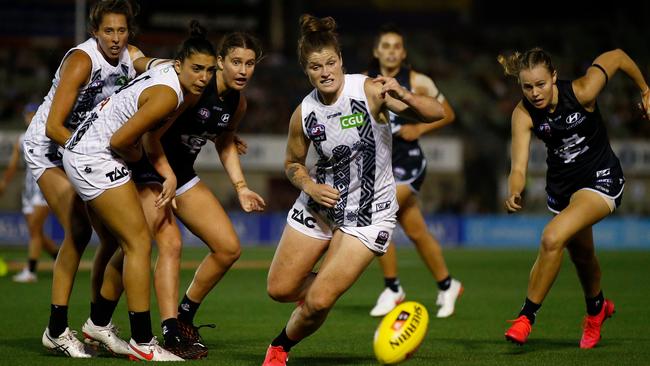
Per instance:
{"type": "Point", "coordinates": [513, 203]}
{"type": "Point", "coordinates": [325, 195]}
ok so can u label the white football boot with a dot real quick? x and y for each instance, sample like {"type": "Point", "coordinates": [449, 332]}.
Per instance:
{"type": "Point", "coordinates": [151, 351]}
{"type": "Point", "coordinates": [387, 301]}
{"type": "Point", "coordinates": [25, 276]}
{"type": "Point", "coordinates": [447, 299]}
{"type": "Point", "coordinates": [106, 336]}
{"type": "Point", "coordinates": [67, 343]}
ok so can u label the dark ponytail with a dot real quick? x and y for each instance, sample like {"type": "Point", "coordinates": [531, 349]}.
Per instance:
{"type": "Point", "coordinates": [196, 43]}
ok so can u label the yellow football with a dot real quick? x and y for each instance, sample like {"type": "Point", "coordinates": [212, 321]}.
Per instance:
{"type": "Point", "coordinates": [400, 332]}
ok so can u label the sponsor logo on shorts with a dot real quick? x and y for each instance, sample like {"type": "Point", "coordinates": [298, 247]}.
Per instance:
{"type": "Point", "coordinates": [382, 237]}
{"type": "Point", "coordinates": [602, 188]}
{"type": "Point", "coordinates": [352, 120]}
{"type": "Point", "coordinates": [117, 173]}
{"type": "Point", "coordinates": [382, 206]}
{"type": "Point", "coordinates": [299, 216]}
{"type": "Point", "coordinates": [602, 173]}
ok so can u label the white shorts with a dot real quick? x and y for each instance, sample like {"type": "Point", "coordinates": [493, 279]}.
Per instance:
{"type": "Point", "coordinates": [91, 176]}
{"type": "Point", "coordinates": [375, 237]}
{"type": "Point", "coordinates": [40, 156]}
{"type": "Point", "coordinates": [32, 196]}
{"type": "Point", "coordinates": [187, 186]}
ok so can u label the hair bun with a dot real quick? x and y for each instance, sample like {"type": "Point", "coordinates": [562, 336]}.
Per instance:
{"type": "Point", "coordinates": [312, 24]}
{"type": "Point", "coordinates": [197, 30]}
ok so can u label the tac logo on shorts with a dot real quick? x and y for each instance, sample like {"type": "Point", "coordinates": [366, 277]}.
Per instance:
{"type": "Point", "coordinates": [203, 113]}
{"type": "Point", "coordinates": [351, 121]}
{"type": "Point", "coordinates": [117, 173]}
{"type": "Point", "coordinates": [382, 237]}
{"type": "Point", "coordinates": [602, 173]}
{"type": "Point", "coordinates": [317, 133]}
{"type": "Point", "coordinates": [382, 206]}
{"type": "Point", "coordinates": [299, 216]}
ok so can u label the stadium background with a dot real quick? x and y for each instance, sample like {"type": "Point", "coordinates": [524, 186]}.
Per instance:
{"type": "Point", "coordinates": [455, 42]}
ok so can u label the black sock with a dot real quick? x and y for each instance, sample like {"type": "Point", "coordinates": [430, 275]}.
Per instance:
{"type": "Point", "coordinates": [58, 320]}
{"type": "Point", "coordinates": [444, 284]}
{"type": "Point", "coordinates": [170, 330]}
{"type": "Point", "coordinates": [187, 309]}
{"type": "Point", "coordinates": [595, 304]}
{"type": "Point", "coordinates": [530, 310]}
{"type": "Point", "coordinates": [31, 265]}
{"type": "Point", "coordinates": [392, 283]}
{"type": "Point", "coordinates": [284, 341]}
{"type": "Point", "coordinates": [102, 310]}
{"type": "Point", "coordinates": [140, 326]}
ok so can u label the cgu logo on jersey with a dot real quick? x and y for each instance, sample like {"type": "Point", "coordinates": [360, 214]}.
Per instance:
{"type": "Point", "coordinates": [353, 120]}
{"type": "Point", "coordinates": [317, 133]}
{"type": "Point", "coordinates": [575, 118]}
{"type": "Point", "coordinates": [118, 173]}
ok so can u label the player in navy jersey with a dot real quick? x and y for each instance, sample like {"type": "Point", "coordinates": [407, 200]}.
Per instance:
{"type": "Point", "coordinates": [214, 117]}
{"type": "Point", "coordinates": [409, 170]}
{"type": "Point", "coordinates": [88, 73]}
{"type": "Point", "coordinates": [347, 205]}
{"type": "Point", "coordinates": [584, 180]}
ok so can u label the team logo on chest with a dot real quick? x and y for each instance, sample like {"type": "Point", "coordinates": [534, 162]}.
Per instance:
{"type": "Point", "coordinates": [352, 120]}
{"type": "Point", "coordinates": [203, 114]}
{"type": "Point", "coordinates": [317, 133]}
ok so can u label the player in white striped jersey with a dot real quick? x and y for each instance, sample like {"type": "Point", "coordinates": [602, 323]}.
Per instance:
{"type": "Point", "coordinates": [35, 208]}
{"type": "Point", "coordinates": [95, 160]}
{"type": "Point", "coordinates": [347, 205]}
{"type": "Point", "coordinates": [88, 73]}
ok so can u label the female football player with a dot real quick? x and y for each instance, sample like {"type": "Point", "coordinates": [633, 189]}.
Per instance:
{"type": "Point", "coordinates": [347, 206]}
{"type": "Point", "coordinates": [584, 181]}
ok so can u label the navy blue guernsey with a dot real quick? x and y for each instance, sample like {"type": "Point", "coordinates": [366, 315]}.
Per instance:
{"type": "Point", "coordinates": [208, 119]}
{"type": "Point", "coordinates": [408, 159]}
{"type": "Point", "coordinates": [577, 144]}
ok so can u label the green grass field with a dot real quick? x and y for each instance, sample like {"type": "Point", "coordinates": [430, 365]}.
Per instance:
{"type": "Point", "coordinates": [495, 285]}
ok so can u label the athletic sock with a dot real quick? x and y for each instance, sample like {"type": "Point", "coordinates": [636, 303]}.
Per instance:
{"type": "Point", "coordinates": [140, 326]}
{"type": "Point", "coordinates": [187, 309]}
{"type": "Point", "coordinates": [392, 283]}
{"type": "Point", "coordinates": [170, 330]}
{"type": "Point", "coordinates": [444, 284]}
{"type": "Point", "coordinates": [283, 340]}
{"type": "Point", "coordinates": [31, 265]}
{"type": "Point", "coordinates": [58, 320]}
{"type": "Point", "coordinates": [530, 310]}
{"type": "Point", "coordinates": [102, 311]}
{"type": "Point", "coordinates": [595, 304]}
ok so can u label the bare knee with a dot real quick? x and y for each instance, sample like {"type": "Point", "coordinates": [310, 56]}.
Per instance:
{"type": "Point", "coordinates": [227, 252]}
{"type": "Point", "coordinates": [318, 305]}
{"type": "Point", "coordinates": [551, 241]}
{"type": "Point", "coordinates": [170, 248]}
{"type": "Point", "coordinates": [280, 292]}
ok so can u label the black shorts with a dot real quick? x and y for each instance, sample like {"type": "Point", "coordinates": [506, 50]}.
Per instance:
{"type": "Point", "coordinates": [409, 167]}
{"type": "Point", "coordinates": [608, 182]}
{"type": "Point", "coordinates": [142, 172]}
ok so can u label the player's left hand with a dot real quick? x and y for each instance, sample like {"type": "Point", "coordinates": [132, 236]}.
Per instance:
{"type": "Point", "coordinates": [250, 201]}
{"type": "Point", "coordinates": [409, 132]}
{"type": "Point", "coordinates": [645, 103]}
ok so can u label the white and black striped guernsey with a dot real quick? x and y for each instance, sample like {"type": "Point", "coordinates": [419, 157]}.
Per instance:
{"type": "Point", "coordinates": [93, 135]}
{"type": "Point", "coordinates": [576, 142]}
{"type": "Point", "coordinates": [354, 156]}
{"type": "Point", "coordinates": [105, 79]}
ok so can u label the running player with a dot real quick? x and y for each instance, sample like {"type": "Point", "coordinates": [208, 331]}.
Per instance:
{"type": "Point", "coordinates": [88, 73]}
{"type": "Point", "coordinates": [35, 208]}
{"type": "Point", "coordinates": [215, 117]}
{"type": "Point", "coordinates": [347, 206]}
{"type": "Point", "coordinates": [584, 181]}
{"type": "Point", "coordinates": [409, 170]}
{"type": "Point", "coordinates": [95, 160]}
